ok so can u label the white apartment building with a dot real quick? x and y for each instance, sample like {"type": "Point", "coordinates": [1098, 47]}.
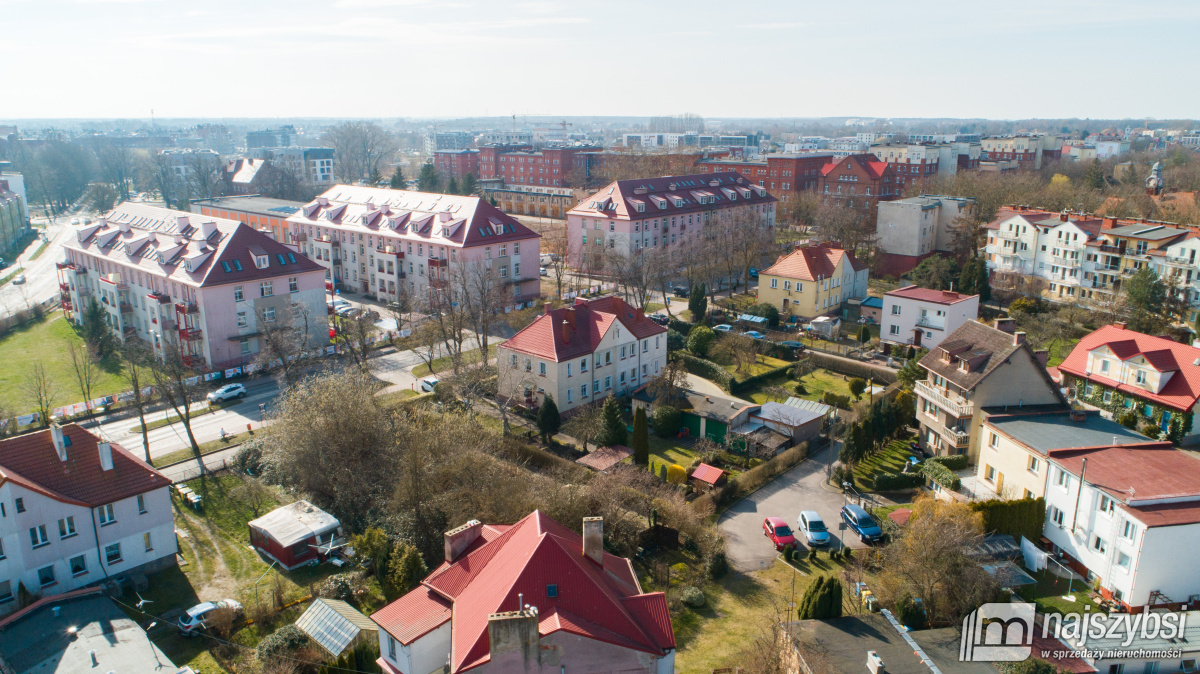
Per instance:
{"type": "Point", "coordinates": [923, 317]}
{"type": "Point", "coordinates": [582, 353]}
{"type": "Point", "coordinates": [1139, 508]}
{"type": "Point", "coordinates": [920, 225]}
{"type": "Point", "coordinates": [75, 511]}
{"type": "Point", "coordinates": [1047, 245]}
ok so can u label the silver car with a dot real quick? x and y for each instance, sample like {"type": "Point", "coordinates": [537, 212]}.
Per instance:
{"type": "Point", "coordinates": [813, 528]}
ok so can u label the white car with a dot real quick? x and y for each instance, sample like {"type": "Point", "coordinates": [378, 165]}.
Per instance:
{"type": "Point", "coordinates": [194, 620]}
{"type": "Point", "coordinates": [19, 279]}
{"type": "Point", "coordinates": [227, 392]}
{"type": "Point", "coordinates": [339, 303]}
{"type": "Point", "coordinates": [428, 384]}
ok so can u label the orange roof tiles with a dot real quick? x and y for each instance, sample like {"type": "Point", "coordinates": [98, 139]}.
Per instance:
{"type": "Point", "coordinates": [586, 322]}
{"type": "Point", "coordinates": [808, 263]}
{"type": "Point", "coordinates": [914, 292]}
{"type": "Point", "coordinates": [1181, 391]}
{"type": "Point", "coordinates": [707, 473]}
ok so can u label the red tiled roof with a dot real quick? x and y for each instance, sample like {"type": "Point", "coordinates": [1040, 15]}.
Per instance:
{"type": "Point", "coordinates": [895, 266]}
{"type": "Point", "coordinates": [516, 564]}
{"type": "Point", "coordinates": [618, 200]}
{"type": "Point", "coordinates": [868, 162]}
{"type": "Point", "coordinates": [31, 461]}
{"type": "Point", "coordinates": [808, 262]}
{"type": "Point", "coordinates": [587, 322]}
{"type": "Point", "coordinates": [707, 473]}
{"type": "Point", "coordinates": [1136, 474]}
{"type": "Point", "coordinates": [900, 515]}
{"type": "Point", "coordinates": [1181, 391]}
{"type": "Point", "coordinates": [914, 292]}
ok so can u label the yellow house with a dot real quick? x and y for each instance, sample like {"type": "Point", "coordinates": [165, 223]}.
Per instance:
{"type": "Point", "coordinates": [813, 280]}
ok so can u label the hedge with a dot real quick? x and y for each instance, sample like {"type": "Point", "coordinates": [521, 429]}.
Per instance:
{"type": "Point", "coordinates": [941, 474]}
{"type": "Point", "coordinates": [897, 481]}
{"type": "Point", "coordinates": [682, 326]}
{"type": "Point", "coordinates": [745, 483]}
{"type": "Point", "coordinates": [850, 368]}
{"type": "Point", "coordinates": [955, 462]}
{"type": "Point", "coordinates": [706, 368]}
{"type": "Point", "coordinates": [1020, 517]}
{"type": "Point", "coordinates": [736, 385]}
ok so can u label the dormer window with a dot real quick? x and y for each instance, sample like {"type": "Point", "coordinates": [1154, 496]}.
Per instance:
{"type": "Point", "coordinates": [945, 356]}
{"type": "Point", "coordinates": [261, 261]}
{"type": "Point", "coordinates": [962, 365]}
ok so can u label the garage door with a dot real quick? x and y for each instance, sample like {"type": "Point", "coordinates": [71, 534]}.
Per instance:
{"type": "Point", "coordinates": [692, 423]}
{"type": "Point", "coordinates": [715, 430]}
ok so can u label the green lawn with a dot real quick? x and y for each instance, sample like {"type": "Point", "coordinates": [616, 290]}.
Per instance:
{"type": "Point", "coordinates": [46, 343]}
{"type": "Point", "coordinates": [668, 451]}
{"type": "Point", "coordinates": [816, 384]}
{"type": "Point", "coordinates": [38, 253]}
{"type": "Point", "coordinates": [1049, 591]}
{"type": "Point", "coordinates": [1059, 350]}
{"type": "Point", "coordinates": [761, 364]}
{"type": "Point", "coordinates": [440, 365]}
{"type": "Point", "coordinates": [889, 460]}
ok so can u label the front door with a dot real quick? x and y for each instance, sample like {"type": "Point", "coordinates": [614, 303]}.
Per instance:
{"type": "Point", "coordinates": [917, 337]}
{"type": "Point", "coordinates": [999, 484]}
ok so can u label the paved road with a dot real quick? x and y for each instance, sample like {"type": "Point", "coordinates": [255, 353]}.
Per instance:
{"type": "Point", "coordinates": [41, 278]}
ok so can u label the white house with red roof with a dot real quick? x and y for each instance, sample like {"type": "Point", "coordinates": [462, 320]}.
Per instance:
{"type": "Point", "coordinates": [76, 511]}
{"type": "Point", "coordinates": [1119, 370]}
{"type": "Point", "coordinates": [923, 317]}
{"type": "Point", "coordinates": [1138, 509]}
{"type": "Point", "coordinates": [528, 597]}
{"type": "Point", "coordinates": [813, 280]}
{"type": "Point", "coordinates": [582, 353]}
{"type": "Point", "coordinates": [210, 285]}
{"type": "Point", "coordinates": [399, 245]}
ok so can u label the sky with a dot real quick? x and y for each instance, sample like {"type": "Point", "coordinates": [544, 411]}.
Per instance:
{"type": "Point", "coordinates": [459, 58]}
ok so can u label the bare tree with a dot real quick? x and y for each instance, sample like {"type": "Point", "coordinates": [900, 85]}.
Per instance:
{"type": "Point", "coordinates": [117, 165]}
{"type": "Point", "coordinates": [740, 349]}
{"type": "Point", "coordinates": [136, 357]}
{"type": "Point", "coordinates": [285, 340]}
{"type": "Point", "coordinates": [203, 174]}
{"type": "Point", "coordinates": [158, 171]}
{"type": "Point", "coordinates": [41, 391]}
{"type": "Point", "coordinates": [480, 290]}
{"type": "Point", "coordinates": [635, 273]}
{"type": "Point", "coordinates": [177, 383]}
{"type": "Point", "coordinates": [451, 318]}
{"type": "Point", "coordinates": [555, 243]}
{"type": "Point", "coordinates": [667, 387]}
{"type": "Point", "coordinates": [361, 148]}
{"type": "Point", "coordinates": [425, 339]}
{"type": "Point", "coordinates": [353, 334]}
{"type": "Point", "coordinates": [84, 367]}
{"type": "Point", "coordinates": [586, 423]}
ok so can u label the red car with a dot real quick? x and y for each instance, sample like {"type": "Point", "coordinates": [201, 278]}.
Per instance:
{"type": "Point", "coordinates": [779, 533]}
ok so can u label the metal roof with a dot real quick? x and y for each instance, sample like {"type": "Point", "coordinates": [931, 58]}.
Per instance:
{"type": "Point", "coordinates": [295, 522]}
{"type": "Point", "coordinates": [334, 624]}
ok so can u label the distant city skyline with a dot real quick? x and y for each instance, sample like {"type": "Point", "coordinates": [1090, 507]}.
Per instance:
{"type": "Point", "coordinates": [463, 58]}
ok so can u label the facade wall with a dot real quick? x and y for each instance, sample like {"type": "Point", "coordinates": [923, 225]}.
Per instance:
{"type": "Point", "coordinates": [852, 186]}
{"type": "Point", "coordinates": [276, 227]}
{"type": "Point", "coordinates": [222, 314]}
{"type": "Point", "coordinates": [14, 219]}
{"type": "Point", "coordinates": [903, 316]}
{"type": "Point", "coordinates": [425, 654]}
{"type": "Point", "coordinates": [1009, 468]}
{"type": "Point", "coordinates": [795, 297]}
{"type": "Point", "coordinates": [782, 175]}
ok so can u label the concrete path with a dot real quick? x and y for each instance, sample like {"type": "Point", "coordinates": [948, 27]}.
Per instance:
{"type": "Point", "coordinates": [188, 470]}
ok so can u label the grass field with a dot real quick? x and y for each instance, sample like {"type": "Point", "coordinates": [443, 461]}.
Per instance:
{"type": "Point", "coordinates": [46, 343]}
{"type": "Point", "coordinates": [668, 451]}
{"type": "Point", "coordinates": [1059, 350]}
{"type": "Point", "coordinates": [816, 384]}
{"type": "Point", "coordinates": [761, 364]}
{"type": "Point", "coordinates": [441, 365]}
{"type": "Point", "coordinates": [1049, 591]}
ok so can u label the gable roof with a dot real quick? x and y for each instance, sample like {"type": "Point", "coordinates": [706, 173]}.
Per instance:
{"type": "Point", "coordinates": [587, 323]}
{"type": "Point", "coordinates": [495, 574]}
{"type": "Point", "coordinates": [869, 163]}
{"type": "Point", "coordinates": [671, 195]}
{"type": "Point", "coordinates": [1181, 391]}
{"type": "Point", "coordinates": [31, 461]}
{"type": "Point", "coordinates": [1142, 478]}
{"type": "Point", "coordinates": [807, 263]}
{"type": "Point", "coordinates": [707, 473]}
{"type": "Point", "coordinates": [983, 347]}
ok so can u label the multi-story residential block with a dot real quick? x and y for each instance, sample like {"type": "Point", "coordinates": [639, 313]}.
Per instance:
{"type": "Point", "coordinates": [76, 511]}
{"type": "Point", "coordinates": [977, 366]}
{"type": "Point", "coordinates": [846, 146]}
{"type": "Point", "coordinates": [401, 245]}
{"type": "Point", "coordinates": [1119, 371]}
{"type": "Point", "coordinates": [267, 215]}
{"type": "Point", "coordinates": [923, 317]}
{"type": "Point", "coordinates": [447, 140]}
{"type": "Point", "coordinates": [546, 202]}
{"type": "Point", "coordinates": [1122, 516]}
{"type": "Point", "coordinates": [16, 183]}
{"type": "Point", "coordinates": [552, 166]}
{"type": "Point", "coordinates": [456, 163]}
{"type": "Point", "coordinates": [281, 137]}
{"type": "Point", "coordinates": [203, 285]}
{"type": "Point", "coordinates": [858, 181]}
{"type": "Point", "coordinates": [1063, 249]}
{"type": "Point", "coordinates": [312, 165]}
{"type": "Point", "coordinates": [628, 216]}
{"type": "Point", "coordinates": [913, 163]}
{"type": "Point", "coordinates": [14, 216]}
{"type": "Point", "coordinates": [909, 230]}
{"type": "Point", "coordinates": [813, 280]}
{"type": "Point", "coordinates": [582, 353]}
{"type": "Point", "coordinates": [533, 597]}
{"type": "Point", "coordinates": [1029, 151]}
{"type": "Point", "coordinates": [1015, 446]}
{"type": "Point", "coordinates": [653, 140]}
{"type": "Point", "coordinates": [783, 175]}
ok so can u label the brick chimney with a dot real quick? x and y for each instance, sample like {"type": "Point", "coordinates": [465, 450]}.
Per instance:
{"type": "Point", "coordinates": [549, 308]}
{"type": "Point", "coordinates": [1005, 325]}
{"type": "Point", "coordinates": [1108, 223]}
{"type": "Point", "coordinates": [1043, 356]}
{"type": "Point", "coordinates": [1018, 338]}
{"type": "Point", "coordinates": [1120, 325]}
{"type": "Point", "coordinates": [1063, 216]}
{"type": "Point", "coordinates": [593, 539]}
{"type": "Point", "coordinates": [515, 634]}
{"type": "Point", "coordinates": [639, 314]}
{"type": "Point", "coordinates": [571, 317]}
{"type": "Point", "coordinates": [457, 540]}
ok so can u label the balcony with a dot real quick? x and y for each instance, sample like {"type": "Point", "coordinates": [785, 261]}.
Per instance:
{"type": "Point", "coordinates": [1003, 234]}
{"type": "Point", "coordinates": [1115, 250]}
{"type": "Point", "coordinates": [64, 287]}
{"type": "Point", "coordinates": [959, 407]}
{"type": "Point", "coordinates": [931, 323]}
{"type": "Point", "coordinates": [1066, 261]}
{"type": "Point", "coordinates": [191, 334]}
{"type": "Point", "coordinates": [186, 308]}
{"type": "Point", "coordinates": [438, 263]}
{"type": "Point", "coordinates": [126, 308]}
{"type": "Point", "coordinates": [440, 283]}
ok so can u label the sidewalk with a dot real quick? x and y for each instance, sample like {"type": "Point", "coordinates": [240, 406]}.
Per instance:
{"type": "Point", "coordinates": [188, 470]}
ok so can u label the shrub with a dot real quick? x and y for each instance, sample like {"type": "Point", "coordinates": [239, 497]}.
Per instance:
{"type": "Point", "coordinates": [676, 474]}
{"type": "Point", "coordinates": [896, 481]}
{"type": "Point", "coordinates": [754, 463]}
{"type": "Point", "coordinates": [834, 554]}
{"type": "Point", "coordinates": [909, 613]}
{"type": "Point", "coordinates": [692, 597]}
{"type": "Point", "coordinates": [812, 554]}
{"type": "Point", "coordinates": [955, 462]}
{"type": "Point", "coordinates": [1151, 431]}
{"type": "Point", "coordinates": [847, 553]}
{"type": "Point", "coordinates": [667, 421]}
{"type": "Point", "coordinates": [675, 340]}
{"type": "Point", "coordinates": [718, 565]}
{"type": "Point", "coordinates": [1018, 517]}
{"type": "Point", "coordinates": [662, 471]}
{"type": "Point", "coordinates": [336, 587]}
{"type": "Point", "coordinates": [286, 638]}
{"type": "Point", "coordinates": [682, 327]}
{"type": "Point", "coordinates": [700, 339]}
{"type": "Point", "coordinates": [941, 475]}
{"type": "Point", "coordinates": [857, 386]}
{"type": "Point", "coordinates": [800, 390]}
{"type": "Point", "coordinates": [248, 459]}
{"type": "Point", "coordinates": [707, 369]}
{"type": "Point", "coordinates": [1127, 419]}
{"type": "Point", "coordinates": [748, 382]}
{"type": "Point", "coordinates": [850, 368]}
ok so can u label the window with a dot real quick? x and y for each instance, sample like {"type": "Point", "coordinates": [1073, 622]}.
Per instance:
{"type": "Point", "coordinates": [6, 594]}
{"type": "Point", "coordinates": [1123, 560]}
{"type": "Point", "coordinates": [1118, 668]}
{"type": "Point", "coordinates": [391, 647]}
{"type": "Point", "coordinates": [241, 319]}
{"type": "Point", "coordinates": [583, 393]}
{"type": "Point", "coordinates": [78, 565]}
{"type": "Point", "coordinates": [542, 369]}
{"type": "Point", "coordinates": [147, 542]}
{"type": "Point", "coordinates": [583, 365]}
{"type": "Point", "coordinates": [20, 505]}
{"type": "Point", "coordinates": [66, 527]}
{"type": "Point", "coordinates": [106, 514]}
{"type": "Point", "coordinates": [568, 395]}
{"type": "Point", "coordinates": [1099, 544]}
{"type": "Point", "coordinates": [112, 553]}
{"type": "Point", "coordinates": [607, 382]}
{"type": "Point", "coordinates": [1034, 464]}
{"type": "Point", "coordinates": [294, 285]}
{"type": "Point", "coordinates": [1129, 530]}
{"type": "Point", "coordinates": [269, 315]}
{"type": "Point", "coordinates": [238, 294]}
{"type": "Point", "coordinates": [1141, 376]}
{"type": "Point", "coordinates": [46, 575]}
{"type": "Point", "coordinates": [38, 537]}
{"type": "Point", "coordinates": [1104, 366]}
{"type": "Point", "coordinates": [2, 555]}
{"type": "Point", "coordinates": [895, 309]}
{"type": "Point", "coordinates": [1108, 396]}
{"type": "Point", "coordinates": [266, 289]}
{"type": "Point", "coordinates": [552, 591]}
{"type": "Point", "coordinates": [141, 501]}
{"type": "Point", "coordinates": [989, 473]}
{"type": "Point", "coordinates": [787, 285]}
{"type": "Point", "coordinates": [1106, 505]}
{"type": "Point", "coordinates": [774, 283]}
{"type": "Point", "coordinates": [245, 345]}
{"type": "Point", "coordinates": [894, 330]}
{"type": "Point", "coordinates": [993, 440]}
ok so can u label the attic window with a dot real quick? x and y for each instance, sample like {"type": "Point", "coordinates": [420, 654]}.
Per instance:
{"type": "Point", "coordinates": [66, 440]}
{"type": "Point", "coordinates": [237, 264]}
{"type": "Point", "coordinates": [291, 258]}
{"type": "Point", "coordinates": [226, 267]}
{"type": "Point", "coordinates": [962, 365]}
{"type": "Point", "coordinates": [282, 261]}
{"type": "Point", "coordinates": [262, 261]}
{"type": "Point", "coordinates": [552, 591]}
{"type": "Point", "coordinates": [946, 356]}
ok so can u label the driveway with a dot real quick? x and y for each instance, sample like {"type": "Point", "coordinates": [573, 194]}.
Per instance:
{"type": "Point", "coordinates": [798, 489]}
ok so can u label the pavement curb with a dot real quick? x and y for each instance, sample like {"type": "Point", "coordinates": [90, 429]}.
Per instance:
{"type": "Point", "coordinates": [193, 459]}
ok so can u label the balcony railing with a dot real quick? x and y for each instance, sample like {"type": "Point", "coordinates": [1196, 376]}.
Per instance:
{"type": "Point", "coordinates": [126, 308]}
{"type": "Point", "coordinates": [1004, 234]}
{"type": "Point", "coordinates": [931, 323]}
{"type": "Point", "coordinates": [1119, 250]}
{"type": "Point", "coordinates": [941, 398]}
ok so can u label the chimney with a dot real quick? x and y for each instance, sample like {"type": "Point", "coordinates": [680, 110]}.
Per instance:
{"type": "Point", "coordinates": [105, 455]}
{"type": "Point", "coordinates": [639, 314]}
{"type": "Point", "coordinates": [1120, 325]}
{"type": "Point", "coordinates": [207, 229]}
{"type": "Point", "coordinates": [515, 634]}
{"type": "Point", "coordinates": [457, 540]}
{"type": "Point", "coordinates": [1108, 223]}
{"type": "Point", "coordinates": [1018, 338]}
{"type": "Point", "coordinates": [1043, 356]}
{"type": "Point", "coordinates": [549, 308]}
{"type": "Point", "coordinates": [123, 226]}
{"type": "Point", "coordinates": [593, 539]}
{"type": "Point", "coordinates": [1063, 216]}
{"type": "Point", "coordinates": [60, 446]}
{"type": "Point", "coordinates": [181, 222]}
{"type": "Point", "coordinates": [566, 332]}
{"type": "Point", "coordinates": [322, 201]}
{"type": "Point", "coordinates": [1005, 325]}
{"type": "Point", "coordinates": [571, 316]}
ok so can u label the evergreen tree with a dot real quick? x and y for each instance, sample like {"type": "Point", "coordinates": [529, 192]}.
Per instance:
{"type": "Point", "coordinates": [614, 426]}
{"type": "Point", "coordinates": [376, 177]}
{"type": "Point", "coordinates": [95, 330]}
{"type": "Point", "coordinates": [1094, 177]}
{"type": "Point", "coordinates": [864, 334]}
{"type": "Point", "coordinates": [405, 570]}
{"type": "Point", "coordinates": [469, 186]}
{"type": "Point", "coordinates": [452, 185]}
{"type": "Point", "coordinates": [641, 438]}
{"type": "Point", "coordinates": [428, 181]}
{"type": "Point", "coordinates": [698, 302]}
{"type": "Point", "coordinates": [548, 418]}
{"type": "Point", "coordinates": [398, 182]}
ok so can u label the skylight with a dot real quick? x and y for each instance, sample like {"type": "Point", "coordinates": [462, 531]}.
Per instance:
{"type": "Point", "coordinates": [291, 258]}
{"type": "Point", "coordinates": [281, 259]}
{"type": "Point", "coordinates": [225, 266]}
{"type": "Point", "coordinates": [237, 265]}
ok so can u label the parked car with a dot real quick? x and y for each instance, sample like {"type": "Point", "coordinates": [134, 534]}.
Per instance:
{"type": "Point", "coordinates": [862, 523]}
{"type": "Point", "coordinates": [544, 272]}
{"type": "Point", "coordinates": [813, 528]}
{"type": "Point", "coordinates": [428, 384]}
{"type": "Point", "coordinates": [227, 392]}
{"type": "Point", "coordinates": [779, 532]}
{"type": "Point", "coordinates": [680, 291]}
{"type": "Point", "coordinates": [724, 327]}
{"type": "Point", "coordinates": [753, 273]}
{"type": "Point", "coordinates": [792, 345]}
{"type": "Point", "coordinates": [20, 278]}
{"type": "Point", "coordinates": [346, 311]}
{"type": "Point", "coordinates": [755, 334]}
{"type": "Point", "coordinates": [339, 303]}
{"type": "Point", "coordinates": [659, 318]}
{"type": "Point", "coordinates": [195, 619]}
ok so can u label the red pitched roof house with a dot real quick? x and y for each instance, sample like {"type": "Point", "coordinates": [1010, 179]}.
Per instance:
{"type": "Point", "coordinates": [582, 353]}
{"type": "Point", "coordinates": [86, 510]}
{"type": "Point", "coordinates": [528, 597]}
{"type": "Point", "coordinates": [858, 181]}
{"type": "Point", "coordinates": [812, 280]}
{"type": "Point", "coordinates": [1121, 370]}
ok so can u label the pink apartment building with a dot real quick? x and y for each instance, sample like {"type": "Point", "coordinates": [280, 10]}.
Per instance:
{"type": "Point", "coordinates": [208, 284]}
{"type": "Point", "coordinates": [659, 213]}
{"type": "Point", "coordinates": [397, 244]}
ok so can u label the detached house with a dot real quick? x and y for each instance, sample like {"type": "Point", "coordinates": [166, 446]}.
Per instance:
{"type": "Point", "coordinates": [582, 353]}
{"type": "Point", "coordinates": [75, 511]}
{"type": "Point", "coordinates": [813, 280]}
{"type": "Point", "coordinates": [977, 366]}
{"type": "Point", "coordinates": [923, 317]}
{"type": "Point", "coordinates": [527, 597]}
{"type": "Point", "coordinates": [1119, 370]}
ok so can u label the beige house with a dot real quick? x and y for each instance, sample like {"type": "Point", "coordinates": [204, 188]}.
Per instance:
{"type": "Point", "coordinates": [976, 367]}
{"type": "Point", "coordinates": [813, 280]}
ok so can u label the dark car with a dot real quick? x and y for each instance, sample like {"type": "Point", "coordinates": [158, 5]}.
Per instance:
{"type": "Point", "coordinates": [680, 291]}
{"type": "Point", "coordinates": [792, 345]}
{"type": "Point", "coordinates": [862, 523]}
{"type": "Point", "coordinates": [659, 318]}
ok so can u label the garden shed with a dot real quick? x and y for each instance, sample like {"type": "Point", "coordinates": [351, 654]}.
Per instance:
{"type": "Point", "coordinates": [705, 477]}
{"type": "Point", "coordinates": [292, 534]}
{"type": "Point", "coordinates": [704, 416]}
{"type": "Point", "coordinates": [826, 327]}
{"type": "Point", "coordinates": [336, 626]}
